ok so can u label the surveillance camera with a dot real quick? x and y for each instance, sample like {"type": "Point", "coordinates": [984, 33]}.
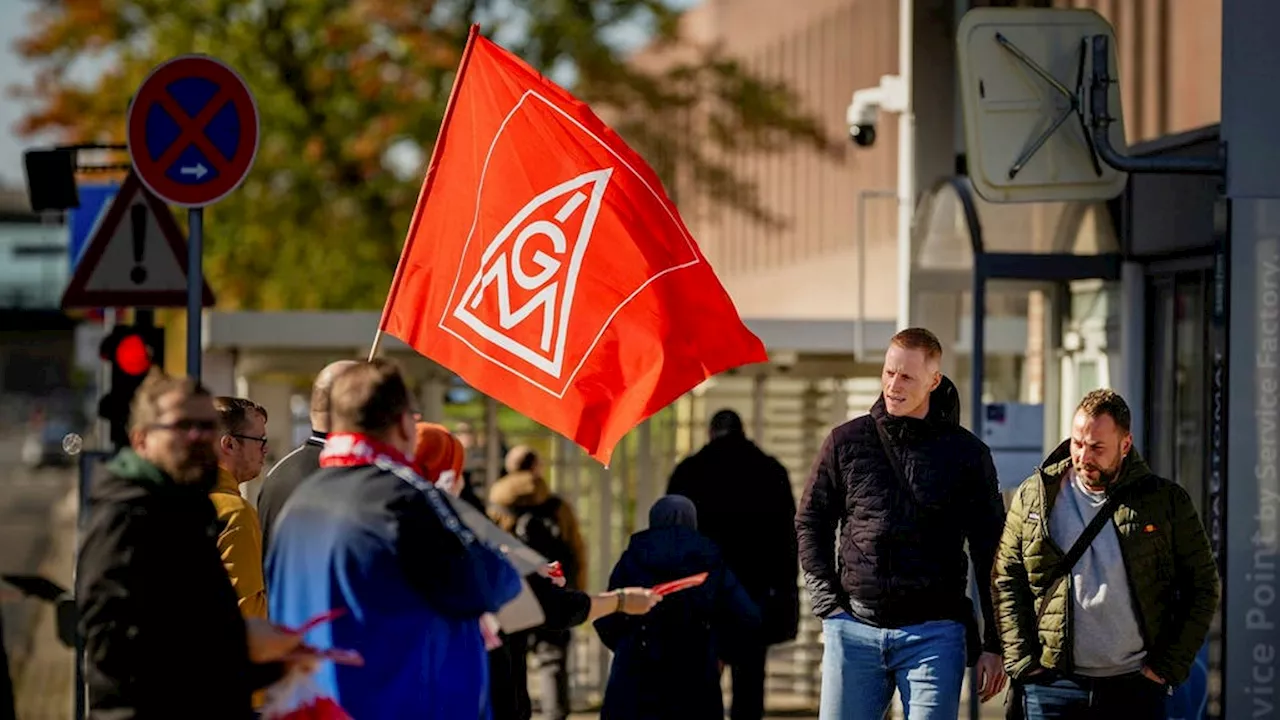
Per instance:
{"type": "Point", "coordinates": [863, 135]}
{"type": "Point", "coordinates": [863, 113]}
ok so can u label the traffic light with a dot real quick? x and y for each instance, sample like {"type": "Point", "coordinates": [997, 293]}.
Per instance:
{"type": "Point", "coordinates": [131, 350]}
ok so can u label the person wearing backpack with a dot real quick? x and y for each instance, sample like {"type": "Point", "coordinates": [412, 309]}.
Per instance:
{"type": "Point", "coordinates": [1105, 583]}
{"type": "Point", "coordinates": [521, 502]}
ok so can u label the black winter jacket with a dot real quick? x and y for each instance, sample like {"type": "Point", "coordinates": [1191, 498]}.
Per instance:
{"type": "Point", "coordinates": [901, 560]}
{"type": "Point", "coordinates": [282, 479]}
{"type": "Point", "coordinates": [162, 631]}
{"type": "Point", "coordinates": [747, 508]}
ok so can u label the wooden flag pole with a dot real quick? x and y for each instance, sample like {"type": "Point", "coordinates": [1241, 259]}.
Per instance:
{"type": "Point", "coordinates": [426, 186]}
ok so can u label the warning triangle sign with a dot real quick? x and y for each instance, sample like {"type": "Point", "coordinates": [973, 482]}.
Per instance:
{"type": "Point", "coordinates": [137, 257]}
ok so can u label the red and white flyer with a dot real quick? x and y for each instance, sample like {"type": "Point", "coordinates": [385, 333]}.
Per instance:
{"type": "Point", "coordinates": [667, 588]}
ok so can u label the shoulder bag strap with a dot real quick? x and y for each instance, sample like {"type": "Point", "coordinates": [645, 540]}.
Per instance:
{"type": "Point", "coordinates": [1082, 543]}
{"type": "Point", "coordinates": [893, 459]}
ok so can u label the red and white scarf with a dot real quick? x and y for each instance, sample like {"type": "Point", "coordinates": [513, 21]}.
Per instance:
{"type": "Point", "coordinates": [357, 450]}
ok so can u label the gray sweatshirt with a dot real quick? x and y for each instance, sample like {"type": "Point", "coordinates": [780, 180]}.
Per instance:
{"type": "Point", "coordinates": [1104, 629]}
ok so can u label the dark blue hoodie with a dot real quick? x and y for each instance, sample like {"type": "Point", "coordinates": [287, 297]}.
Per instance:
{"type": "Point", "coordinates": [665, 663]}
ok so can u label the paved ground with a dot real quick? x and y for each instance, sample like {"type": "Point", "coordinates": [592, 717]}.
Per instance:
{"type": "Point", "coordinates": [28, 535]}
{"type": "Point", "coordinates": [44, 682]}
{"type": "Point", "coordinates": [785, 707]}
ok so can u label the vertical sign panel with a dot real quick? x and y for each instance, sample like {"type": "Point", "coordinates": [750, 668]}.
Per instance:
{"type": "Point", "coordinates": [1253, 480]}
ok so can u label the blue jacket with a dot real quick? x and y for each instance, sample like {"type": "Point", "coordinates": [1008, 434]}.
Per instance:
{"type": "Point", "coordinates": [385, 547]}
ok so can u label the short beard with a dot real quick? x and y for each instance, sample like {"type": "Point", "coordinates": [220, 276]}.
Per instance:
{"type": "Point", "coordinates": [1105, 478]}
{"type": "Point", "coordinates": [199, 473]}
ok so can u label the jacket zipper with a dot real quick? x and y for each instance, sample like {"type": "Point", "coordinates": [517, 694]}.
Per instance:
{"type": "Point", "coordinates": [1044, 517]}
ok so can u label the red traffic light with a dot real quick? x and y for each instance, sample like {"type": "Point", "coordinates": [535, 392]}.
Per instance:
{"type": "Point", "coordinates": [132, 355]}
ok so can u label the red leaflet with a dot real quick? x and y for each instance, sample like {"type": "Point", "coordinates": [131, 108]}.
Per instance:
{"type": "Point", "coordinates": [682, 584]}
{"type": "Point", "coordinates": [320, 619]}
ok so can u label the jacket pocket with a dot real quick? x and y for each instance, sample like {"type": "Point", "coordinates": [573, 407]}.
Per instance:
{"type": "Point", "coordinates": [1151, 542]}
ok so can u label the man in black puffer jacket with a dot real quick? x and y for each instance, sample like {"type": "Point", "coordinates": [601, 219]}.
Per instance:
{"type": "Point", "coordinates": [746, 507]}
{"type": "Point", "coordinates": [906, 486]}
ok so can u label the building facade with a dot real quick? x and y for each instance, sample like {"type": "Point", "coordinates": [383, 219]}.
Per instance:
{"type": "Point", "coordinates": [37, 341]}
{"type": "Point", "coordinates": [1145, 330]}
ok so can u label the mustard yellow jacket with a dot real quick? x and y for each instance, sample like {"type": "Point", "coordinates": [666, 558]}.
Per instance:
{"type": "Point", "coordinates": [240, 544]}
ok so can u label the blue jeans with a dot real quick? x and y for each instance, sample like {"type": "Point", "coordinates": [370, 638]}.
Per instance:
{"type": "Point", "coordinates": [862, 664]}
{"type": "Point", "coordinates": [1054, 696]}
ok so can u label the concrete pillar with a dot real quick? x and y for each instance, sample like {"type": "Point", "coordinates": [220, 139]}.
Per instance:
{"type": "Point", "coordinates": [758, 395]}
{"type": "Point", "coordinates": [648, 487]}
{"type": "Point", "coordinates": [492, 443]}
{"type": "Point", "coordinates": [568, 467]}
{"type": "Point", "coordinates": [1130, 375]}
{"type": "Point", "coordinates": [839, 401]}
{"type": "Point", "coordinates": [218, 371]}
{"type": "Point", "coordinates": [602, 538]}
{"type": "Point", "coordinates": [1033, 381]}
{"type": "Point", "coordinates": [431, 398]}
{"type": "Point", "coordinates": [1058, 302]}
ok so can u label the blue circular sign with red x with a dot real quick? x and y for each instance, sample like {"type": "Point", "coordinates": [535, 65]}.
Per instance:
{"type": "Point", "coordinates": [193, 131]}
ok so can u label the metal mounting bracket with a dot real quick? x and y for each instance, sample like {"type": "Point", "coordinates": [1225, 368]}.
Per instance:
{"type": "Point", "coordinates": [1100, 93]}
{"type": "Point", "coordinates": [1075, 106]}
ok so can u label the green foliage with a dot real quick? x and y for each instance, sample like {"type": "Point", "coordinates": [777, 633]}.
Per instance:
{"type": "Point", "coordinates": [320, 221]}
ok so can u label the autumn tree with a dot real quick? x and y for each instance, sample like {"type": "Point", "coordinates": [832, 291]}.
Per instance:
{"type": "Point", "coordinates": [344, 87]}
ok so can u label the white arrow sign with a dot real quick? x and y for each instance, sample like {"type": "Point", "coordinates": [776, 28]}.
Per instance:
{"type": "Point", "coordinates": [199, 170]}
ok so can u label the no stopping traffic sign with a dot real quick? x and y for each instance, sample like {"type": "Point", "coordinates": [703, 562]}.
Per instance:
{"type": "Point", "coordinates": [192, 131]}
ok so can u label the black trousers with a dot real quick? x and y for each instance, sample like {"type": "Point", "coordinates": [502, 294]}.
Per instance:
{"type": "Point", "coordinates": [747, 677]}
{"type": "Point", "coordinates": [503, 695]}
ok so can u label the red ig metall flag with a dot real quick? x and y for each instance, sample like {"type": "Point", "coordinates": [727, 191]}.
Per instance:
{"type": "Point", "coordinates": [546, 266]}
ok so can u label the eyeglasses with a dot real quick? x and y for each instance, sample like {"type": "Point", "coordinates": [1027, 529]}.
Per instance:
{"type": "Point", "coordinates": [262, 440]}
{"type": "Point", "coordinates": [187, 425]}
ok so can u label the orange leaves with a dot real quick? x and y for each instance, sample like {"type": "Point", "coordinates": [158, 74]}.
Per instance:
{"type": "Point", "coordinates": [338, 83]}
{"type": "Point", "coordinates": [368, 147]}
{"type": "Point", "coordinates": [70, 24]}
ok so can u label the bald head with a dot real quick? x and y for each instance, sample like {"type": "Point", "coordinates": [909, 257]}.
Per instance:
{"type": "Point", "coordinates": [320, 392]}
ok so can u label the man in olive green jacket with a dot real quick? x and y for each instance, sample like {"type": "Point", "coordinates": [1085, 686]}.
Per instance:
{"type": "Point", "coordinates": [1113, 635]}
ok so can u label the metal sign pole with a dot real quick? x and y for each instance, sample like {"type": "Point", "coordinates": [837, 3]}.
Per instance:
{"type": "Point", "coordinates": [87, 460]}
{"type": "Point", "coordinates": [90, 462]}
{"type": "Point", "coordinates": [195, 287]}
{"type": "Point", "coordinates": [102, 427]}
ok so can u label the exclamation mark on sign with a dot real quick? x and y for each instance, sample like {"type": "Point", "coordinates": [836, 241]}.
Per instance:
{"type": "Point", "coordinates": [138, 223]}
